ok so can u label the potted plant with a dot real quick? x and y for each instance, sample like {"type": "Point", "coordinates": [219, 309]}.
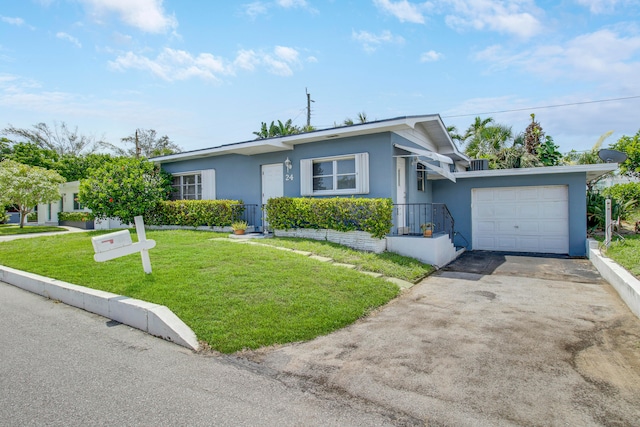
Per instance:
{"type": "Point", "coordinates": [427, 229]}
{"type": "Point", "coordinates": [239, 227]}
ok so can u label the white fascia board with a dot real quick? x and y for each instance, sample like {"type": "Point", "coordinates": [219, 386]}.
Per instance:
{"type": "Point", "coordinates": [592, 171]}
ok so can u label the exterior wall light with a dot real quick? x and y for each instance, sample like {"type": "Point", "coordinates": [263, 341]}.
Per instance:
{"type": "Point", "coordinates": [288, 165]}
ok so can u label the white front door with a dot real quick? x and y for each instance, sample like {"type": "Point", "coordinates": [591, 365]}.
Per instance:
{"type": "Point", "coordinates": [272, 183]}
{"type": "Point", "coordinates": [521, 219]}
{"type": "Point", "coordinates": [401, 195]}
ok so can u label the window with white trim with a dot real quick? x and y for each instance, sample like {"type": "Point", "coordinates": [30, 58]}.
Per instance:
{"type": "Point", "coordinates": [77, 206]}
{"type": "Point", "coordinates": [335, 175]}
{"type": "Point", "coordinates": [187, 187]}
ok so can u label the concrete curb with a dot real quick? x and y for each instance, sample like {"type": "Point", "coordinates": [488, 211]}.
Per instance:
{"type": "Point", "coordinates": [627, 286]}
{"type": "Point", "coordinates": [154, 319]}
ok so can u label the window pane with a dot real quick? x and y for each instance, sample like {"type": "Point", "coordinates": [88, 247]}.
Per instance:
{"type": "Point", "coordinates": [189, 179]}
{"type": "Point", "coordinates": [320, 184]}
{"type": "Point", "coordinates": [346, 182]}
{"type": "Point", "coordinates": [346, 166]}
{"type": "Point", "coordinates": [322, 168]}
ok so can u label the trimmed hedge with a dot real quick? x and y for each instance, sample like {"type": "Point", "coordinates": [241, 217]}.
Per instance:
{"type": "Point", "coordinates": [195, 213]}
{"type": "Point", "coordinates": [75, 216]}
{"type": "Point", "coordinates": [339, 213]}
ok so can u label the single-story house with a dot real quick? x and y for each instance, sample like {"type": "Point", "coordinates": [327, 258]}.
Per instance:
{"type": "Point", "coordinates": [413, 161]}
{"type": "Point", "coordinates": [68, 202]}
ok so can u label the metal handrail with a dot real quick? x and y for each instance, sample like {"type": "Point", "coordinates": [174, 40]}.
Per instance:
{"type": "Point", "coordinates": [409, 217]}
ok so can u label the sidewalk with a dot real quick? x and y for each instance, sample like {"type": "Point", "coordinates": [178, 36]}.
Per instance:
{"type": "Point", "coordinates": [25, 236]}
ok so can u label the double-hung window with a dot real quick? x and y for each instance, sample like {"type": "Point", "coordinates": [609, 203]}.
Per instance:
{"type": "Point", "coordinates": [77, 206]}
{"type": "Point", "coordinates": [337, 175]}
{"type": "Point", "coordinates": [422, 177]}
{"type": "Point", "coordinates": [187, 187]}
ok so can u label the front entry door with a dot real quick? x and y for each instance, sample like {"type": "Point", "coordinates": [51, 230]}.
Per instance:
{"type": "Point", "coordinates": [272, 183]}
{"type": "Point", "coordinates": [401, 195]}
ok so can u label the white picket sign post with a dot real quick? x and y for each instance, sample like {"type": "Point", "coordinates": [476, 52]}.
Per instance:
{"type": "Point", "coordinates": [118, 244]}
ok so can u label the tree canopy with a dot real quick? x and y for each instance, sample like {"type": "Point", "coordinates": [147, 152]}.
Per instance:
{"type": "Point", "coordinates": [145, 143]}
{"type": "Point", "coordinates": [59, 138]}
{"type": "Point", "coordinates": [123, 188]}
{"type": "Point", "coordinates": [630, 145]}
{"type": "Point", "coordinates": [25, 186]}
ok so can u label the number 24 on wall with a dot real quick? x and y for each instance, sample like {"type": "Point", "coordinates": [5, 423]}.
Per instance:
{"type": "Point", "coordinates": [288, 177]}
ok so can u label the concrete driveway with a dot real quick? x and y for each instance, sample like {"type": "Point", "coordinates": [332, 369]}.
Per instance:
{"type": "Point", "coordinates": [491, 340]}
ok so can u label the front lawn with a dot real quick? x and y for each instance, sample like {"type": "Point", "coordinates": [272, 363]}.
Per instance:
{"type": "Point", "coordinates": [626, 253]}
{"type": "Point", "coordinates": [233, 296]}
{"type": "Point", "coordinates": [11, 229]}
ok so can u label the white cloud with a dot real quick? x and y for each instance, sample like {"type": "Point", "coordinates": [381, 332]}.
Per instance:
{"type": "Point", "coordinates": [404, 10]}
{"type": "Point", "coordinates": [430, 56]}
{"type": "Point", "coordinates": [12, 21]}
{"type": "Point", "coordinates": [172, 65]}
{"type": "Point", "coordinates": [370, 42]}
{"type": "Point", "coordinates": [64, 36]}
{"type": "Point", "coordinates": [256, 8]}
{"type": "Point", "coordinates": [605, 57]}
{"type": "Point", "coordinates": [146, 15]}
{"type": "Point", "coordinates": [292, 3]}
{"type": "Point", "coordinates": [515, 17]}
{"type": "Point", "coordinates": [599, 6]}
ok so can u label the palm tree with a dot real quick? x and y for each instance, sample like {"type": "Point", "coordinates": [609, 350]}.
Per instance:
{"type": "Point", "coordinates": [280, 129]}
{"type": "Point", "coordinates": [484, 139]}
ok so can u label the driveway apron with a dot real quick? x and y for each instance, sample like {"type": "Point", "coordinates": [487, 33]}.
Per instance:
{"type": "Point", "coordinates": [492, 339]}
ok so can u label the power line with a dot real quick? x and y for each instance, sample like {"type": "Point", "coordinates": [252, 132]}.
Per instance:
{"type": "Point", "coordinates": [546, 106]}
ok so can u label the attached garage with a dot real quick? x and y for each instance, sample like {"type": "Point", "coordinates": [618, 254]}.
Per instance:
{"type": "Point", "coordinates": [521, 219]}
{"type": "Point", "coordinates": [540, 210]}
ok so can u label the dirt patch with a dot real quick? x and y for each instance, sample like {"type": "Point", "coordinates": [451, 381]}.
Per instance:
{"type": "Point", "coordinates": [492, 350]}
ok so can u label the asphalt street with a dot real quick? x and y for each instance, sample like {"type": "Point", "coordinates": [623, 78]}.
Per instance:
{"type": "Point", "coordinates": [61, 366]}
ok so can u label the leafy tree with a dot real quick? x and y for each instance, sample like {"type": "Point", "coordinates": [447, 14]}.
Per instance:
{"type": "Point", "coordinates": [512, 158]}
{"type": "Point", "coordinates": [454, 135]}
{"type": "Point", "coordinates": [123, 188]}
{"type": "Point", "coordinates": [31, 154]}
{"type": "Point", "coordinates": [60, 138]}
{"type": "Point", "coordinates": [145, 143]}
{"type": "Point", "coordinates": [76, 168]}
{"type": "Point", "coordinates": [630, 145]}
{"type": "Point", "coordinates": [25, 186]}
{"type": "Point", "coordinates": [275, 130]}
{"type": "Point", "coordinates": [548, 153]}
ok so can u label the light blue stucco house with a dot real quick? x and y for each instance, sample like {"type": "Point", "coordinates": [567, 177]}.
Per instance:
{"type": "Point", "coordinates": [413, 161]}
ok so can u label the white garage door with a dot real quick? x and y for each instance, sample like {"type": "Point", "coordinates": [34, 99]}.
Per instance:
{"type": "Point", "coordinates": [521, 219]}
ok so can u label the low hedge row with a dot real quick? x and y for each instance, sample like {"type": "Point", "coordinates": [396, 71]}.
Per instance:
{"type": "Point", "coordinates": [75, 216]}
{"type": "Point", "coordinates": [195, 213]}
{"type": "Point", "coordinates": [339, 213]}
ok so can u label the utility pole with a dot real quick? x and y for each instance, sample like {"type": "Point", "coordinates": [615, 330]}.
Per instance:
{"type": "Point", "coordinates": [137, 146]}
{"type": "Point", "coordinates": [309, 101]}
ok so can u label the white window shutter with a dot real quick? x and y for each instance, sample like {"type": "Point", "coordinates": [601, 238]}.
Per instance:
{"type": "Point", "coordinates": [362, 173]}
{"type": "Point", "coordinates": [208, 177]}
{"type": "Point", "coordinates": [306, 177]}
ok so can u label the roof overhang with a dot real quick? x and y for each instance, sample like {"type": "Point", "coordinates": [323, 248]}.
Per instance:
{"type": "Point", "coordinates": [430, 155]}
{"type": "Point", "coordinates": [592, 171]}
{"type": "Point", "coordinates": [431, 124]}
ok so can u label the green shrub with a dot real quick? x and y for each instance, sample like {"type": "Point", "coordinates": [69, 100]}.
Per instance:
{"type": "Point", "coordinates": [32, 217]}
{"type": "Point", "coordinates": [624, 193]}
{"type": "Point", "coordinates": [75, 216]}
{"type": "Point", "coordinates": [340, 214]}
{"type": "Point", "coordinates": [195, 213]}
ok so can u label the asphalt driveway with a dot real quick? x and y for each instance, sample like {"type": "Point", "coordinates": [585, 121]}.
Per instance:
{"type": "Point", "coordinates": [493, 339]}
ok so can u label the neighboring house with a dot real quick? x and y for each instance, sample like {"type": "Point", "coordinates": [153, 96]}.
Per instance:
{"type": "Point", "coordinates": [413, 161]}
{"type": "Point", "coordinates": [48, 213]}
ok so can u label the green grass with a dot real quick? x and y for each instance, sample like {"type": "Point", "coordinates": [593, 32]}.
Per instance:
{"type": "Point", "coordinates": [387, 263]}
{"type": "Point", "coordinates": [626, 253]}
{"type": "Point", "coordinates": [11, 229]}
{"type": "Point", "coordinates": [234, 296]}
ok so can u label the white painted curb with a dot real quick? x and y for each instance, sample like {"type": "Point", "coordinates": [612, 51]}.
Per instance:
{"type": "Point", "coordinates": [627, 286]}
{"type": "Point", "coordinates": [154, 319]}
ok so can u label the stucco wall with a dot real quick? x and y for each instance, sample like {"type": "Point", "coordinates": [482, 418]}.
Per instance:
{"type": "Point", "coordinates": [238, 177]}
{"type": "Point", "coordinates": [457, 197]}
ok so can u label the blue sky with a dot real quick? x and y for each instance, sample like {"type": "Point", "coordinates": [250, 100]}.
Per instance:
{"type": "Point", "coordinates": [208, 73]}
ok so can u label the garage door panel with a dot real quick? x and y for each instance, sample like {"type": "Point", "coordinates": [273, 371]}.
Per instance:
{"type": "Point", "coordinates": [521, 219]}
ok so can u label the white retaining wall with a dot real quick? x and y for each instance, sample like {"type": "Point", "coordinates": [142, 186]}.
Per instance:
{"type": "Point", "coordinates": [360, 240]}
